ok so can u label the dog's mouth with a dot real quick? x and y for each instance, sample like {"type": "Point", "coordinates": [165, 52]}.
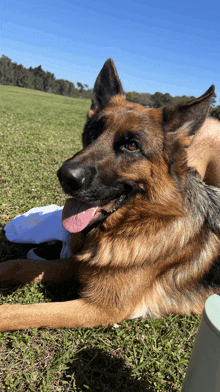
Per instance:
{"type": "Point", "coordinates": [78, 215]}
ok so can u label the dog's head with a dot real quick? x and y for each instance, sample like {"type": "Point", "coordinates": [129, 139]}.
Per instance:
{"type": "Point", "coordinates": [128, 151]}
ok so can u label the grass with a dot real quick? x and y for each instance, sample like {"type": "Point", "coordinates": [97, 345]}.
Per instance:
{"type": "Point", "coordinates": [38, 132]}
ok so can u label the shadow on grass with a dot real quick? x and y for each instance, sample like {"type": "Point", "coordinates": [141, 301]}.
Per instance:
{"type": "Point", "coordinates": [96, 370]}
{"type": "Point", "coordinates": [57, 292]}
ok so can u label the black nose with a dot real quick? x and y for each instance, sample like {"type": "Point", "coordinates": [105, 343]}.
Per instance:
{"type": "Point", "coordinates": [71, 178]}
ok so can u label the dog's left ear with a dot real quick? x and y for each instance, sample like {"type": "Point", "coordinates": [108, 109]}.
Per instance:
{"type": "Point", "coordinates": [107, 85]}
{"type": "Point", "coordinates": [180, 124]}
{"type": "Point", "coordinates": [187, 118]}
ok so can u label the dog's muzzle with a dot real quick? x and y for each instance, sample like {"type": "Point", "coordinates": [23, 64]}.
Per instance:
{"type": "Point", "coordinates": [74, 179]}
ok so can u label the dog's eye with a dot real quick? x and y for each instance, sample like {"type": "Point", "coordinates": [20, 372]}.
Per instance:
{"type": "Point", "coordinates": [131, 146]}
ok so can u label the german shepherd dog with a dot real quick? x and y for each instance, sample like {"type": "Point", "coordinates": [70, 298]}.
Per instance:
{"type": "Point", "coordinates": [145, 227]}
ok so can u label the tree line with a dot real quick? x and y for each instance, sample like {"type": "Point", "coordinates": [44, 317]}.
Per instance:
{"type": "Point", "coordinates": [13, 74]}
{"type": "Point", "coordinates": [36, 78]}
{"type": "Point", "coordinates": [158, 100]}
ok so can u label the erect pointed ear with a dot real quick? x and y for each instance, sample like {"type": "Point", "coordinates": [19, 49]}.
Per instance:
{"type": "Point", "coordinates": [180, 123]}
{"type": "Point", "coordinates": [187, 118]}
{"type": "Point", "coordinates": [107, 85]}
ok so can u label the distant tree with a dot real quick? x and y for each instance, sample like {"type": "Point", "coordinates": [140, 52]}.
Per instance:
{"type": "Point", "coordinates": [61, 87]}
{"type": "Point", "coordinates": [87, 94]}
{"type": "Point", "coordinates": [70, 89]}
{"type": "Point", "coordinates": [215, 112]}
{"type": "Point", "coordinates": [80, 87]}
{"type": "Point", "coordinates": [49, 82]}
{"type": "Point", "coordinates": [20, 76]}
{"type": "Point", "coordinates": [157, 100]}
{"type": "Point", "coordinates": [6, 73]}
{"type": "Point", "coordinates": [167, 100]}
{"type": "Point", "coordinates": [38, 83]}
{"type": "Point", "coordinates": [213, 100]}
{"type": "Point", "coordinates": [160, 100]}
{"type": "Point", "coordinates": [144, 99]}
{"type": "Point", "coordinates": [182, 99]}
{"type": "Point", "coordinates": [39, 76]}
{"type": "Point", "coordinates": [132, 96]}
{"type": "Point", "coordinates": [30, 76]}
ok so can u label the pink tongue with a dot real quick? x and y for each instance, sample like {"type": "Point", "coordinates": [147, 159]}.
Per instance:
{"type": "Point", "coordinates": [76, 216]}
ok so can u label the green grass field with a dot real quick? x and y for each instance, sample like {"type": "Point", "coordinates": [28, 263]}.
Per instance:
{"type": "Point", "coordinates": [38, 132]}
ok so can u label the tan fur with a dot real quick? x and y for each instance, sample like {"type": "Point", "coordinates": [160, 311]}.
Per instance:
{"type": "Point", "coordinates": [204, 152]}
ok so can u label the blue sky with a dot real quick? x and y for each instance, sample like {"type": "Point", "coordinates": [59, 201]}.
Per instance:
{"type": "Point", "coordinates": [167, 46]}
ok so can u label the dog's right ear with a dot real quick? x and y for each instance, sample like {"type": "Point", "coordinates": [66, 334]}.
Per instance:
{"type": "Point", "coordinates": [107, 85]}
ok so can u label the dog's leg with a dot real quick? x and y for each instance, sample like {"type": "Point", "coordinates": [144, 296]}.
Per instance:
{"type": "Point", "coordinates": [27, 271]}
{"type": "Point", "coordinates": [78, 313]}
